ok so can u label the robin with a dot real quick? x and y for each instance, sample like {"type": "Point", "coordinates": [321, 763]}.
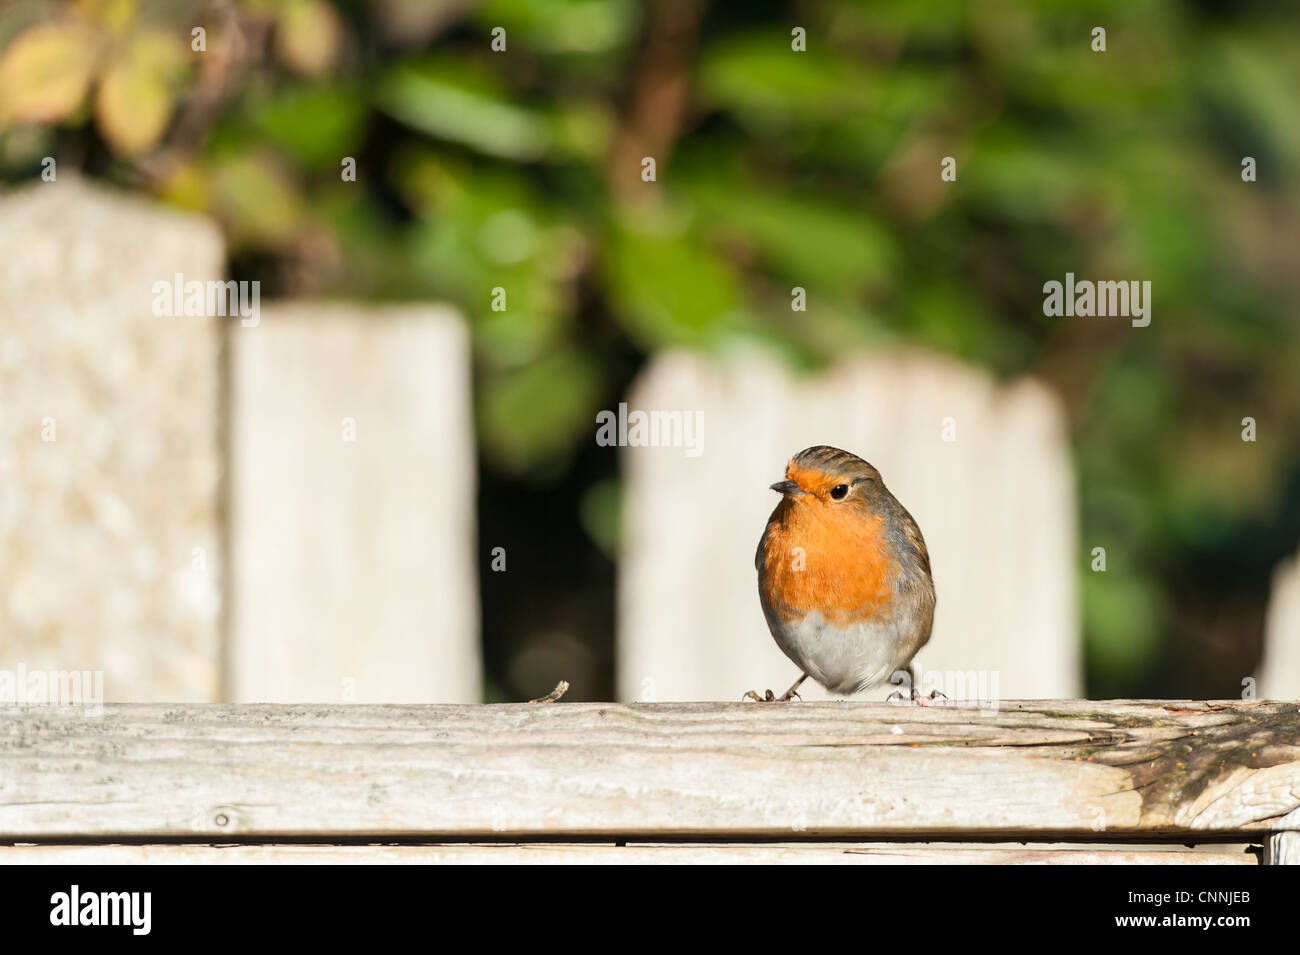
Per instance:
{"type": "Point", "coordinates": [843, 576]}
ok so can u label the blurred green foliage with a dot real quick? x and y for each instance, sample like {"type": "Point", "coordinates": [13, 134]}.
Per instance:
{"type": "Point", "coordinates": [479, 169]}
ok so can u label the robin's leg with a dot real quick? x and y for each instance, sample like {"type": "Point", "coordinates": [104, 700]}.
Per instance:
{"type": "Point", "coordinates": [770, 697]}
{"type": "Point", "coordinates": [793, 692]}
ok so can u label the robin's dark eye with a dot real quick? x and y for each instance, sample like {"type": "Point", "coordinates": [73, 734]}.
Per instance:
{"type": "Point", "coordinates": [839, 491]}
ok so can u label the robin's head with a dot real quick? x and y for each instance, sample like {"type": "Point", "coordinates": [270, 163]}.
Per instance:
{"type": "Point", "coordinates": [829, 476]}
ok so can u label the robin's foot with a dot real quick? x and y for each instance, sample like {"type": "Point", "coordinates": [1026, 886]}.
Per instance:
{"type": "Point", "coordinates": [770, 697]}
{"type": "Point", "coordinates": [915, 696]}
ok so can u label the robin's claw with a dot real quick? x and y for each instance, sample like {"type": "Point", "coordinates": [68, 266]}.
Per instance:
{"type": "Point", "coordinates": [786, 697]}
{"type": "Point", "coordinates": [934, 698]}
{"type": "Point", "coordinates": [914, 696]}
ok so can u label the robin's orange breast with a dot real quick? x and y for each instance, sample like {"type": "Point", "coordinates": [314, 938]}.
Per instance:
{"type": "Point", "coordinates": [828, 559]}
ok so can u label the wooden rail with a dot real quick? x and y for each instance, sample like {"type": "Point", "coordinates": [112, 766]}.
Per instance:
{"type": "Point", "coordinates": [653, 782]}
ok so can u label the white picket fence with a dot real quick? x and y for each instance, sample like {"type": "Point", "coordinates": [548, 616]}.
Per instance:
{"type": "Point", "coordinates": [203, 508]}
{"type": "Point", "coordinates": [299, 528]}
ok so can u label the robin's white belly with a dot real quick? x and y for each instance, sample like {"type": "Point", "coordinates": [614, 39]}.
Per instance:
{"type": "Point", "coordinates": [850, 659]}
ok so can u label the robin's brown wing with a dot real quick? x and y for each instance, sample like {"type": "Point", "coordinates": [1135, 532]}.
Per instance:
{"type": "Point", "coordinates": [913, 535]}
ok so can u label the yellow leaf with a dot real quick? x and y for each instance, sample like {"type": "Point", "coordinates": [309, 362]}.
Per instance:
{"type": "Point", "coordinates": [132, 106]}
{"type": "Point", "coordinates": [44, 73]}
{"type": "Point", "coordinates": [307, 36]}
{"type": "Point", "coordinates": [185, 184]}
{"type": "Point", "coordinates": [159, 49]}
{"type": "Point", "coordinates": [117, 16]}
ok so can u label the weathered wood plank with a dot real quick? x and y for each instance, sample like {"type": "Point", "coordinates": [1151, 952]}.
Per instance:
{"type": "Point", "coordinates": [110, 545]}
{"type": "Point", "coordinates": [833, 853]}
{"type": "Point", "coordinates": [1282, 848]}
{"type": "Point", "coordinates": [1279, 672]}
{"type": "Point", "coordinates": [352, 560]}
{"type": "Point", "coordinates": [1035, 770]}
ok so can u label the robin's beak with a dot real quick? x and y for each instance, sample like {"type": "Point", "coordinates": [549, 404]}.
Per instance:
{"type": "Point", "coordinates": [787, 487]}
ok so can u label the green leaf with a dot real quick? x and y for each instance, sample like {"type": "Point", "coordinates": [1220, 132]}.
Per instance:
{"type": "Point", "coordinates": [257, 200]}
{"type": "Point", "coordinates": [1125, 616]}
{"type": "Point", "coordinates": [667, 288]}
{"type": "Point", "coordinates": [812, 241]}
{"type": "Point", "coordinates": [760, 77]}
{"type": "Point", "coordinates": [318, 124]}
{"type": "Point", "coordinates": [562, 26]}
{"type": "Point", "coordinates": [529, 417]}
{"type": "Point", "coordinates": [436, 101]}
{"type": "Point", "coordinates": [600, 511]}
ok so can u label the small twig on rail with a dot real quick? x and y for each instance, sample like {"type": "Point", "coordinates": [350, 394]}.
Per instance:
{"type": "Point", "coordinates": [560, 689]}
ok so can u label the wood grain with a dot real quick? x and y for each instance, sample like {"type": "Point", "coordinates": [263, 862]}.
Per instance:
{"type": "Point", "coordinates": [1282, 848]}
{"type": "Point", "coordinates": [695, 771]}
{"type": "Point", "coordinates": [834, 853]}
